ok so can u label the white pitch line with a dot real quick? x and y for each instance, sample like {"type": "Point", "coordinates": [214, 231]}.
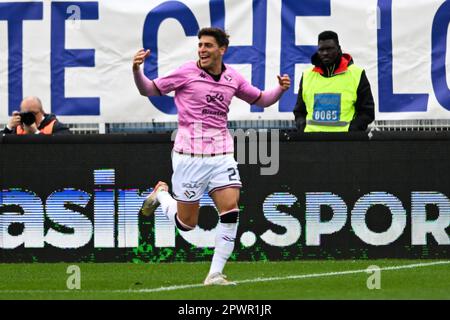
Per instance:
{"type": "Point", "coordinates": [256, 280]}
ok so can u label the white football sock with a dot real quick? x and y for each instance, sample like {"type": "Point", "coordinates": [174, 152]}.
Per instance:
{"type": "Point", "coordinates": [168, 205]}
{"type": "Point", "coordinates": [224, 245]}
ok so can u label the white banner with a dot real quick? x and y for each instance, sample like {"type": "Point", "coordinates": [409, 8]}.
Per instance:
{"type": "Point", "coordinates": [76, 56]}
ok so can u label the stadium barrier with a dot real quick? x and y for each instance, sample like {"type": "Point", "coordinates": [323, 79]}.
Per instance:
{"type": "Point", "coordinates": [286, 125]}
{"type": "Point", "coordinates": [316, 196]}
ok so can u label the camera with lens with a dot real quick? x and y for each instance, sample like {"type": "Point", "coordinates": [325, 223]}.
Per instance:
{"type": "Point", "coordinates": [27, 118]}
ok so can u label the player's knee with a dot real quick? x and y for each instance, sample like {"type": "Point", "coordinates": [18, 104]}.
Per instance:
{"type": "Point", "coordinates": [230, 216]}
{"type": "Point", "coordinates": [184, 225]}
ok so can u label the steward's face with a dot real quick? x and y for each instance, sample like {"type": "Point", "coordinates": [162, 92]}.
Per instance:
{"type": "Point", "coordinates": [328, 51]}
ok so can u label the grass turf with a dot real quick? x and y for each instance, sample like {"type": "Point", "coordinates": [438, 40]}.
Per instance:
{"type": "Point", "coordinates": [98, 281]}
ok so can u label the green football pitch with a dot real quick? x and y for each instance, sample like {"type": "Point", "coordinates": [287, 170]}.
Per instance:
{"type": "Point", "coordinates": [398, 279]}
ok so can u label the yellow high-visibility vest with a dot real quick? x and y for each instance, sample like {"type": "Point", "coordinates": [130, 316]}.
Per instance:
{"type": "Point", "coordinates": [330, 102]}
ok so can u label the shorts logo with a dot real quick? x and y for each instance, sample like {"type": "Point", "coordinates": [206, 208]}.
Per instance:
{"type": "Point", "coordinates": [192, 185]}
{"type": "Point", "coordinates": [189, 194]}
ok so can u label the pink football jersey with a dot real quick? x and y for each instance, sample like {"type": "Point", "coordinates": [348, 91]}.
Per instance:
{"type": "Point", "coordinates": [203, 106]}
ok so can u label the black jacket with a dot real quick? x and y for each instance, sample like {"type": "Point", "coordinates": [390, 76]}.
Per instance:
{"type": "Point", "coordinates": [58, 127]}
{"type": "Point", "coordinates": [364, 105]}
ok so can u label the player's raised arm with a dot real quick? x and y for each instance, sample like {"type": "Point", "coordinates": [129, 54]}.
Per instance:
{"type": "Point", "coordinates": [145, 86]}
{"type": "Point", "coordinates": [139, 58]}
{"type": "Point", "coordinates": [284, 82]}
{"type": "Point", "coordinates": [269, 97]}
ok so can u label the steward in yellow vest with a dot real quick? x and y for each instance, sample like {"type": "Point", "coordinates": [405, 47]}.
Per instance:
{"type": "Point", "coordinates": [335, 94]}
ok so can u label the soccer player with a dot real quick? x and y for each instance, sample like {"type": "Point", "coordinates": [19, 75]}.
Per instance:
{"type": "Point", "coordinates": [203, 153]}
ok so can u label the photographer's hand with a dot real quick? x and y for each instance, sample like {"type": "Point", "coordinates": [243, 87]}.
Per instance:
{"type": "Point", "coordinates": [32, 129]}
{"type": "Point", "coordinates": [14, 121]}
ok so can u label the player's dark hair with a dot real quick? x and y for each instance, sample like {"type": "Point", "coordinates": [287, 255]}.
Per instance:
{"type": "Point", "coordinates": [329, 35]}
{"type": "Point", "coordinates": [218, 34]}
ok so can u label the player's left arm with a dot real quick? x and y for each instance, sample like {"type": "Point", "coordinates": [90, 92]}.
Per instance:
{"type": "Point", "coordinates": [268, 97]}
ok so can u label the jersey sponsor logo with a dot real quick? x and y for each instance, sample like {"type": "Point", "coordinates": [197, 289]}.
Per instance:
{"type": "Point", "coordinates": [212, 98]}
{"type": "Point", "coordinates": [214, 113]}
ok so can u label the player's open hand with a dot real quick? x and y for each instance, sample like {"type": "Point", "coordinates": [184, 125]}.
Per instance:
{"type": "Point", "coordinates": [139, 58]}
{"type": "Point", "coordinates": [284, 81]}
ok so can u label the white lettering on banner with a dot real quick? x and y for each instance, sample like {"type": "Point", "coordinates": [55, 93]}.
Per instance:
{"type": "Point", "coordinates": [77, 55]}
{"type": "Point", "coordinates": [359, 224]}
{"type": "Point", "coordinates": [23, 215]}
{"type": "Point", "coordinates": [292, 225]}
{"type": "Point", "coordinates": [315, 226]}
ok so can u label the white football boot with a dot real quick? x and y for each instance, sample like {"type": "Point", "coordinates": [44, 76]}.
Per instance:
{"type": "Point", "coordinates": [218, 279]}
{"type": "Point", "coordinates": [151, 202]}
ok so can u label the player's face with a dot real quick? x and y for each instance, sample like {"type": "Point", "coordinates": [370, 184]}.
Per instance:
{"type": "Point", "coordinates": [210, 53]}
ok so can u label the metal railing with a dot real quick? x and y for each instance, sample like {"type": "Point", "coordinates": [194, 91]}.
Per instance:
{"type": "Point", "coordinates": [412, 125]}
{"type": "Point", "coordinates": [289, 125]}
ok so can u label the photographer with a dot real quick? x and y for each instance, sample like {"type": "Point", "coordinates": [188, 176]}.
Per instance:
{"type": "Point", "coordinates": [33, 120]}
